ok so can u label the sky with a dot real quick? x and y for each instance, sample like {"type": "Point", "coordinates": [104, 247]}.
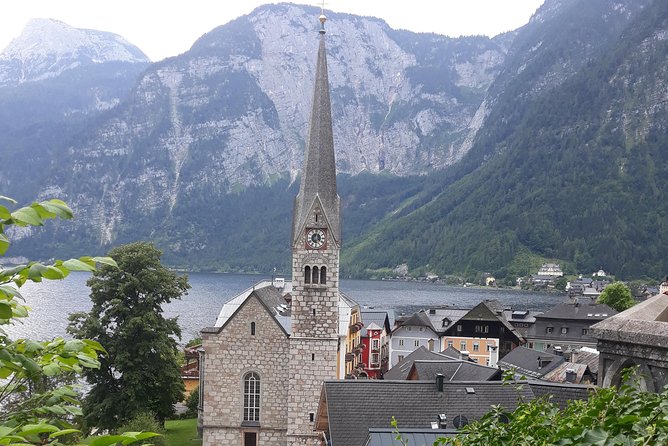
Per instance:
{"type": "Point", "coordinates": [163, 28]}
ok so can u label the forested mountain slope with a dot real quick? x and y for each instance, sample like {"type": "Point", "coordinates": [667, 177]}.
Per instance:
{"type": "Point", "coordinates": [575, 172]}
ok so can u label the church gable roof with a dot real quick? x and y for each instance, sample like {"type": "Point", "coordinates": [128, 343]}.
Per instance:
{"type": "Point", "coordinates": [269, 296]}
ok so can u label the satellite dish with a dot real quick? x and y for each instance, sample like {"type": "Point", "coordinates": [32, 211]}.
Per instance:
{"type": "Point", "coordinates": [460, 421]}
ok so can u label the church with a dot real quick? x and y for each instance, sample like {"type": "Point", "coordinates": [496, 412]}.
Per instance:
{"type": "Point", "coordinates": [272, 346]}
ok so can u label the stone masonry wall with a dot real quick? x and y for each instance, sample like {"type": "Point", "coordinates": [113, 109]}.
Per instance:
{"type": "Point", "coordinates": [229, 355]}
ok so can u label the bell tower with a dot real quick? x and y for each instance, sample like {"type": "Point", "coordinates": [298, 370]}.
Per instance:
{"type": "Point", "coordinates": [316, 242]}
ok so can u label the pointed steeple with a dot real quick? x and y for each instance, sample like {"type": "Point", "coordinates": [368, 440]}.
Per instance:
{"type": "Point", "coordinates": [319, 170]}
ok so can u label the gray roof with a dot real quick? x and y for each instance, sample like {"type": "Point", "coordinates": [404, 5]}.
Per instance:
{"type": "Point", "coordinates": [378, 317]}
{"type": "Point", "coordinates": [558, 375]}
{"type": "Point", "coordinates": [590, 359]}
{"type": "Point", "coordinates": [419, 319]}
{"type": "Point", "coordinates": [349, 408]}
{"type": "Point", "coordinates": [525, 316]}
{"type": "Point", "coordinates": [525, 361]}
{"type": "Point", "coordinates": [436, 316]}
{"type": "Point", "coordinates": [414, 437]}
{"type": "Point", "coordinates": [578, 310]}
{"type": "Point", "coordinates": [400, 371]}
{"type": "Point", "coordinates": [560, 394]}
{"type": "Point", "coordinates": [452, 370]}
{"type": "Point", "coordinates": [319, 170]}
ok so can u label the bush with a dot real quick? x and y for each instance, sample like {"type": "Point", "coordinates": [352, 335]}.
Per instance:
{"type": "Point", "coordinates": [192, 403]}
{"type": "Point", "coordinates": [145, 422]}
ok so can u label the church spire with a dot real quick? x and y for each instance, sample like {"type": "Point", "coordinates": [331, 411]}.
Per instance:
{"type": "Point", "coordinates": [319, 170]}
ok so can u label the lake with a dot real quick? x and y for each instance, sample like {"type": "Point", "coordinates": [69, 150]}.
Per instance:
{"type": "Point", "coordinates": [52, 301]}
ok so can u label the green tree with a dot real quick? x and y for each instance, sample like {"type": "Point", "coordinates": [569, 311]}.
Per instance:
{"type": "Point", "coordinates": [618, 296]}
{"type": "Point", "coordinates": [34, 408]}
{"type": "Point", "coordinates": [560, 283]}
{"type": "Point", "coordinates": [140, 371]}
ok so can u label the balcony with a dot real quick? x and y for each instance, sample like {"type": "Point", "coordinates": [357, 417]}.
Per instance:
{"type": "Point", "coordinates": [357, 326]}
{"type": "Point", "coordinates": [350, 357]}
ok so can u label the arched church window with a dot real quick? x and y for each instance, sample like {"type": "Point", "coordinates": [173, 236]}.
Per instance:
{"type": "Point", "coordinates": [307, 274]}
{"type": "Point", "coordinates": [252, 397]}
{"type": "Point", "coordinates": [252, 328]}
{"type": "Point", "coordinates": [323, 275]}
{"type": "Point", "coordinates": [316, 275]}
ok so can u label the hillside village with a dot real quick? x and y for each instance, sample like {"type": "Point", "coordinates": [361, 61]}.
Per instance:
{"type": "Point", "coordinates": [298, 362]}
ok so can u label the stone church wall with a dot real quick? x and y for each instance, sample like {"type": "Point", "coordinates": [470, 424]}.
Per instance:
{"type": "Point", "coordinates": [229, 355]}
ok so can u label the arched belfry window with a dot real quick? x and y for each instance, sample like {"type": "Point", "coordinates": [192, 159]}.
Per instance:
{"type": "Point", "coordinates": [323, 275]}
{"type": "Point", "coordinates": [316, 275]}
{"type": "Point", "coordinates": [252, 397]}
{"type": "Point", "coordinates": [307, 274]}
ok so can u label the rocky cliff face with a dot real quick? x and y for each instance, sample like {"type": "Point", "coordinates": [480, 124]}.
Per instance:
{"type": "Point", "coordinates": [233, 111]}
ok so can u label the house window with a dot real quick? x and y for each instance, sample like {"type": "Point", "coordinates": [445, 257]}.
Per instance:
{"type": "Point", "coordinates": [316, 275]}
{"type": "Point", "coordinates": [252, 328]}
{"type": "Point", "coordinates": [476, 347]}
{"type": "Point", "coordinates": [482, 328]}
{"type": "Point", "coordinates": [323, 275]}
{"type": "Point", "coordinates": [375, 358]}
{"type": "Point", "coordinates": [252, 397]}
{"type": "Point", "coordinates": [400, 358]}
{"type": "Point", "coordinates": [375, 344]}
{"type": "Point", "coordinates": [401, 342]}
{"type": "Point", "coordinates": [450, 343]}
{"type": "Point", "coordinates": [307, 274]}
{"type": "Point", "coordinates": [431, 345]}
{"type": "Point", "coordinates": [416, 343]}
{"type": "Point", "coordinates": [585, 331]}
{"type": "Point", "coordinates": [462, 346]}
{"type": "Point", "coordinates": [489, 347]}
{"type": "Point", "coordinates": [549, 330]}
{"type": "Point", "coordinates": [564, 330]}
{"type": "Point", "coordinates": [459, 328]}
{"type": "Point", "coordinates": [487, 362]}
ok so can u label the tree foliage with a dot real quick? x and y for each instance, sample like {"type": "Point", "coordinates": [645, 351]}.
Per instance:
{"type": "Point", "coordinates": [140, 371]}
{"type": "Point", "coordinates": [610, 417]}
{"type": "Point", "coordinates": [29, 412]}
{"type": "Point", "coordinates": [618, 296]}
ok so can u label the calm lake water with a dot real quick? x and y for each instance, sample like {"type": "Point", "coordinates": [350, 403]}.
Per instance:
{"type": "Point", "coordinates": [53, 301]}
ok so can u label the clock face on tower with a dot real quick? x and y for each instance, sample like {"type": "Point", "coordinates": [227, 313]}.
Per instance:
{"type": "Point", "coordinates": [315, 238]}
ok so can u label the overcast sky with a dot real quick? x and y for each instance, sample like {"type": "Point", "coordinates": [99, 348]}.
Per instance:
{"type": "Point", "coordinates": [163, 28]}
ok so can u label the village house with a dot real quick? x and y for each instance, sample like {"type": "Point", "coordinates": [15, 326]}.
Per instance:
{"type": "Point", "coordinates": [413, 333]}
{"type": "Point", "coordinates": [376, 338]}
{"type": "Point", "coordinates": [567, 326]}
{"type": "Point", "coordinates": [484, 333]}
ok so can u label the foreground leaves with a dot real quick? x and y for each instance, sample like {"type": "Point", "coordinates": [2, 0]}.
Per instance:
{"type": "Point", "coordinates": [32, 410]}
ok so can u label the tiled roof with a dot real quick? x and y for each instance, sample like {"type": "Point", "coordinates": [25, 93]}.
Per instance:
{"type": "Point", "coordinates": [558, 375]}
{"type": "Point", "coordinates": [581, 311]}
{"type": "Point", "coordinates": [400, 371]}
{"type": "Point", "coordinates": [419, 319]}
{"type": "Point", "coordinates": [560, 394]}
{"type": "Point", "coordinates": [414, 437]}
{"type": "Point", "coordinates": [590, 359]}
{"type": "Point", "coordinates": [452, 370]}
{"type": "Point", "coordinates": [377, 317]}
{"type": "Point", "coordinates": [355, 406]}
{"type": "Point", "coordinates": [525, 361]}
{"type": "Point", "coordinates": [350, 408]}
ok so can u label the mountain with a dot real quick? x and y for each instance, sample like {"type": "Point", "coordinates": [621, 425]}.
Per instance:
{"type": "Point", "coordinates": [569, 163]}
{"type": "Point", "coordinates": [54, 79]}
{"type": "Point", "coordinates": [457, 155]}
{"type": "Point", "coordinates": [230, 116]}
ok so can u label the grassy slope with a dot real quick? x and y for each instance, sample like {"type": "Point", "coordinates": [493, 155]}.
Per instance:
{"type": "Point", "coordinates": [182, 433]}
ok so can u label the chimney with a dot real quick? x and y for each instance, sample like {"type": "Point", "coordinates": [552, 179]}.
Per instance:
{"type": "Point", "coordinates": [571, 375]}
{"type": "Point", "coordinates": [540, 363]}
{"type": "Point", "coordinates": [439, 382]}
{"type": "Point", "coordinates": [558, 351]}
